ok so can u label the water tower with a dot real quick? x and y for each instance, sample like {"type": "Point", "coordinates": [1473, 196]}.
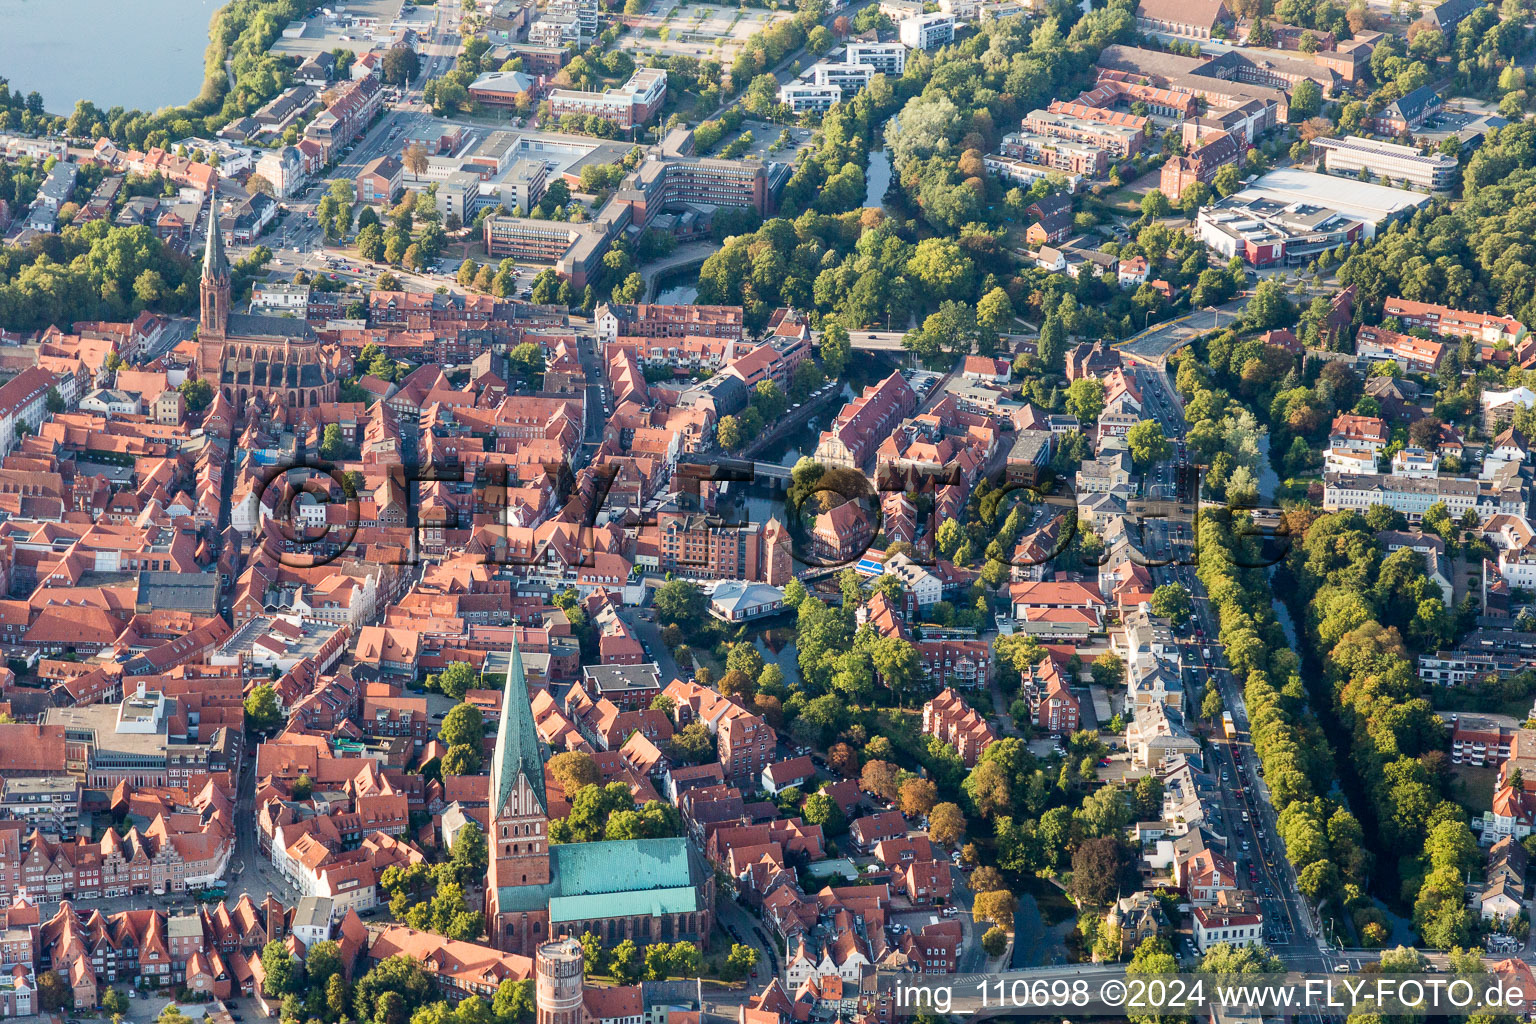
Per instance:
{"type": "Point", "coordinates": [558, 983]}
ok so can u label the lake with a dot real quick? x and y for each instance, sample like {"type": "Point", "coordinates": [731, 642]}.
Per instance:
{"type": "Point", "coordinates": [147, 54]}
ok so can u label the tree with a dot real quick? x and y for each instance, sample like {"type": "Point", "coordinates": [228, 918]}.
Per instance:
{"type": "Point", "coordinates": [1107, 669]}
{"type": "Point", "coordinates": [456, 680]}
{"type": "Point", "coordinates": [692, 744]}
{"type": "Point", "coordinates": [1147, 443]}
{"type": "Point", "coordinates": [54, 992]}
{"type": "Point", "coordinates": [462, 759]}
{"type": "Point", "coordinates": [1052, 346]}
{"type": "Point", "coordinates": [625, 962]}
{"type": "Point", "coordinates": [591, 953]}
{"type": "Point", "coordinates": [821, 809]}
{"type": "Point", "coordinates": [1172, 602]}
{"type": "Point", "coordinates": [322, 962]}
{"type": "Point", "coordinates": [740, 960]}
{"type": "Point", "coordinates": [729, 434]}
{"type": "Point", "coordinates": [574, 770]}
{"type": "Point", "coordinates": [997, 906]}
{"type": "Point", "coordinates": [401, 65]}
{"type": "Point", "coordinates": [995, 941]}
{"type": "Point", "coordinates": [1228, 180]}
{"type": "Point", "coordinates": [881, 778]}
{"type": "Point", "coordinates": [678, 602]}
{"type": "Point", "coordinates": [995, 311]}
{"type": "Point", "coordinates": [332, 445]}
{"type": "Point", "coordinates": [262, 713]}
{"type": "Point", "coordinates": [686, 959]}
{"type": "Point", "coordinates": [1085, 398]}
{"type": "Point", "coordinates": [514, 1002]}
{"type": "Point", "coordinates": [1154, 205]}
{"type": "Point", "coordinates": [836, 348]}
{"type": "Point", "coordinates": [464, 725]}
{"type": "Point", "coordinates": [198, 394]}
{"type": "Point", "coordinates": [918, 797]}
{"type": "Point", "coordinates": [1306, 100]}
{"type": "Point", "coordinates": [946, 823]}
{"type": "Point", "coordinates": [277, 964]}
{"type": "Point", "coordinates": [1097, 869]}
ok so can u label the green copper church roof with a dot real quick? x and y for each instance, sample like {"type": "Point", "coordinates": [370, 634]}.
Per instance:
{"type": "Point", "coordinates": [518, 751]}
{"type": "Point", "coordinates": [616, 873]}
{"type": "Point", "coordinates": [649, 902]}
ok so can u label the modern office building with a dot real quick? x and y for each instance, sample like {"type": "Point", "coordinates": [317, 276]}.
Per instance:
{"type": "Point", "coordinates": [1352, 154]}
{"type": "Point", "coordinates": [631, 104]}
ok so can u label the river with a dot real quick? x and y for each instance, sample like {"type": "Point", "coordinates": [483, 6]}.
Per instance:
{"type": "Point", "coordinates": [877, 179]}
{"type": "Point", "coordinates": [147, 54]}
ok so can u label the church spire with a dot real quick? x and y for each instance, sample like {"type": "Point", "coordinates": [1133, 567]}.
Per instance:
{"type": "Point", "coordinates": [215, 263]}
{"type": "Point", "coordinates": [517, 741]}
{"type": "Point", "coordinates": [213, 289]}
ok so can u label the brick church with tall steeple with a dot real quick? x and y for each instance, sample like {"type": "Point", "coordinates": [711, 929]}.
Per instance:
{"type": "Point", "coordinates": [271, 359]}
{"type": "Point", "coordinates": [649, 890]}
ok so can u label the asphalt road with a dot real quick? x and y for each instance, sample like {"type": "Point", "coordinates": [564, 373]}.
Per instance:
{"type": "Point", "coordinates": [1242, 790]}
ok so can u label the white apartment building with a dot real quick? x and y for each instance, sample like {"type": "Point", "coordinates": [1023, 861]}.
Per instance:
{"type": "Point", "coordinates": [803, 97]}
{"type": "Point", "coordinates": [1415, 464]}
{"type": "Point", "coordinates": [889, 59]}
{"type": "Point", "coordinates": [851, 77]}
{"type": "Point", "coordinates": [928, 31]}
{"type": "Point", "coordinates": [1349, 460]}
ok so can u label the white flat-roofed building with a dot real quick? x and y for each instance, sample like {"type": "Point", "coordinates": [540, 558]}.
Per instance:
{"type": "Point", "coordinates": [279, 297]}
{"type": "Point", "coordinates": [889, 59]}
{"type": "Point", "coordinates": [524, 186]}
{"type": "Point", "coordinates": [633, 103]}
{"type": "Point", "coordinates": [1373, 205]}
{"type": "Point", "coordinates": [50, 804]}
{"type": "Point", "coordinates": [1026, 173]}
{"type": "Point", "coordinates": [1387, 159]}
{"type": "Point", "coordinates": [1348, 460]}
{"type": "Point", "coordinates": [928, 31]}
{"type": "Point", "coordinates": [1415, 464]}
{"type": "Point", "coordinates": [850, 77]}
{"type": "Point", "coordinates": [801, 97]}
{"type": "Point", "coordinates": [1265, 231]}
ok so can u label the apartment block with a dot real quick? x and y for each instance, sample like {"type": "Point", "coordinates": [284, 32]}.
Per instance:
{"type": "Point", "coordinates": [1445, 322]}
{"type": "Point", "coordinates": [928, 31]}
{"type": "Point", "coordinates": [889, 59]}
{"type": "Point", "coordinates": [1122, 140]}
{"type": "Point", "coordinates": [1414, 497]}
{"type": "Point", "coordinates": [952, 720]}
{"type": "Point", "coordinates": [807, 97]}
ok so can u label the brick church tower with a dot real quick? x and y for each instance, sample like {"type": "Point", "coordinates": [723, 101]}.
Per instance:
{"type": "Point", "coordinates": [557, 972]}
{"type": "Point", "coordinates": [777, 568]}
{"type": "Point", "coordinates": [519, 840]}
{"type": "Point", "coordinates": [214, 286]}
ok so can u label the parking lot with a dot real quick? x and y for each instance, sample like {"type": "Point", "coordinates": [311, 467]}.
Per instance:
{"type": "Point", "coordinates": [697, 30]}
{"type": "Point", "coordinates": [321, 36]}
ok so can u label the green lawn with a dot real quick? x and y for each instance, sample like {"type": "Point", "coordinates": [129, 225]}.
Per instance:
{"type": "Point", "coordinates": [1473, 787]}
